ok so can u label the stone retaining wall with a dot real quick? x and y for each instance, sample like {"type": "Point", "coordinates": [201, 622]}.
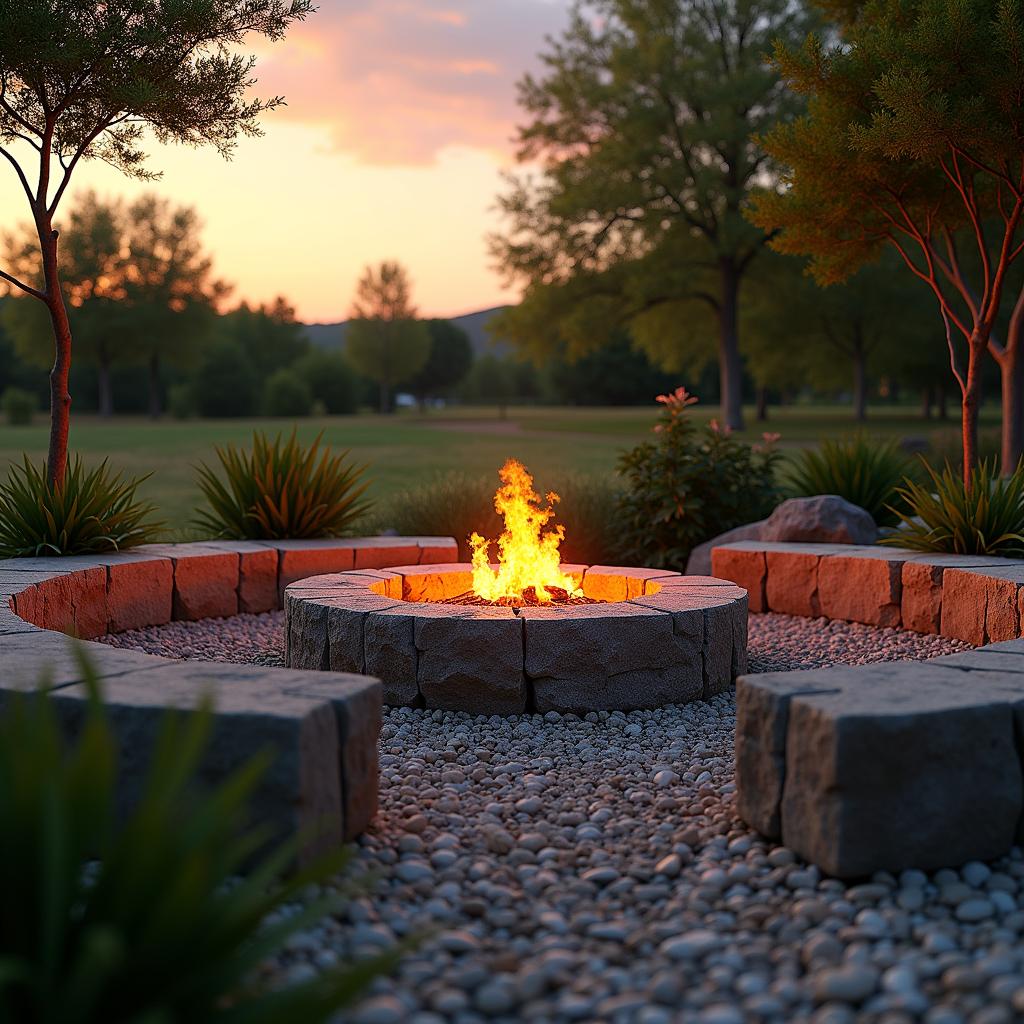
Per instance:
{"type": "Point", "coordinates": [323, 727]}
{"type": "Point", "coordinates": [894, 765]}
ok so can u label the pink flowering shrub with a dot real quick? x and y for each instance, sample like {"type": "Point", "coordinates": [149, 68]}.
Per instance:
{"type": "Point", "coordinates": [690, 484]}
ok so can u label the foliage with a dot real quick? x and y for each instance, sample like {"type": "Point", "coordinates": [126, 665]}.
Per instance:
{"type": "Point", "coordinates": [449, 361]}
{"type": "Point", "coordinates": [225, 383]}
{"type": "Point", "coordinates": [384, 341]}
{"type": "Point", "coordinates": [286, 394]}
{"type": "Point", "coordinates": [645, 122]}
{"type": "Point", "coordinates": [458, 504]}
{"type": "Point", "coordinates": [691, 484]}
{"type": "Point", "coordinates": [865, 472]}
{"type": "Point", "coordinates": [93, 510]}
{"type": "Point", "coordinates": [144, 919]}
{"type": "Point", "coordinates": [492, 381]}
{"type": "Point", "coordinates": [269, 335]}
{"type": "Point", "coordinates": [279, 490]}
{"type": "Point", "coordinates": [19, 406]}
{"type": "Point", "coordinates": [984, 516]}
{"type": "Point", "coordinates": [617, 373]}
{"type": "Point", "coordinates": [330, 380]}
{"type": "Point", "coordinates": [914, 135]}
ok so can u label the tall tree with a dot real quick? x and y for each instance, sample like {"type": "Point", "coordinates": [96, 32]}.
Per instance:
{"type": "Point", "coordinates": [914, 139]}
{"type": "Point", "coordinates": [169, 289]}
{"type": "Point", "coordinates": [83, 80]}
{"type": "Point", "coordinates": [449, 360]}
{"type": "Point", "coordinates": [384, 340]}
{"type": "Point", "coordinates": [644, 124]}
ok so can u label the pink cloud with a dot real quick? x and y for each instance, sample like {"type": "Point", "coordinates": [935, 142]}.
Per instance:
{"type": "Point", "coordinates": [396, 81]}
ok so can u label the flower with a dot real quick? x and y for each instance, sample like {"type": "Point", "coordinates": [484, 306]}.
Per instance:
{"type": "Point", "coordinates": [678, 399]}
{"type": "Point", "coordinates": [770, 438]}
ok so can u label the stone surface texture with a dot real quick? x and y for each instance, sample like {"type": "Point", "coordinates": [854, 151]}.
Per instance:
{"type": "Point", "coordinates": [826, 518]}
{"type": "Point", "coordinates": [884, 768]}
{"type": "Point", "coordinates": [322, 725]}
{"type": "Point", "coordinates": [654, 637]}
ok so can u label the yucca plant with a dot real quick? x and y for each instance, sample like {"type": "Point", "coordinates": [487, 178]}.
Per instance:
{"type": "Point", "coordinates": [280, 489]}
{"type": "Point", "coordinates": [866, 473]}
{"type": "Point", "coordinates": [95, 510]}
{"type": "Point", "coordinates": [148, 919]}
{"type": "Point", "coordinates": [984, 518]}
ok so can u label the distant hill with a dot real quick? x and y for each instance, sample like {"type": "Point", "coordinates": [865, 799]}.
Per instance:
{"type": "Point", "coordinates": [332, 336]}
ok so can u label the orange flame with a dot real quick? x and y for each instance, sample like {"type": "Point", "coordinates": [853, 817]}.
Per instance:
{"type": "Point", "coordinates": [527, 553]}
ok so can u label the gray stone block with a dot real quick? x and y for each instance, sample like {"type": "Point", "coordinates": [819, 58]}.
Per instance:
{"type": "Point", "coordinates": [390, 655]}
{"type": "Point", "coordinates": [305, 633]}
{"type": "Point", "coordinates": [300, 793]}
{"type": "Point", "coordinates": [471, 660]}
{"type": "Point", "coordinates": [611, 657]}
{"type": "Point", "coordinates": [345, 622]}
{"type": "Point", "coordinates": [901, 767]}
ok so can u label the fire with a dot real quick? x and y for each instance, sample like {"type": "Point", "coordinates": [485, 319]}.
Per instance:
{"type": "Point", "coordinates": [527, 553]}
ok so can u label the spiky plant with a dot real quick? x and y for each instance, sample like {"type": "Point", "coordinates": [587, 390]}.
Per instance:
{"type": "Point", "coordinates": [280, 489]}
{"type": "Point", "coordinates": [984, 517]}
{"type": "Point", "coordinates": [94, 510]}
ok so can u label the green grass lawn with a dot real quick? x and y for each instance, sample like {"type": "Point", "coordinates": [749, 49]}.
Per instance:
{"type": "Point", "coordinates": [409, 448]}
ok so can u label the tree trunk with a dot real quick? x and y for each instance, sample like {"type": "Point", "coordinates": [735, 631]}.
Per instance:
{"type": "Point", "coordinates": [927, 398]}
{"type": "Point", "coordinates": [860, 384]}
{"type": "Point", "coordinates": [105, 387]}
{"type": "Point", "coordinates": [970, 408]}
{"type": "Point", "coordinates": [60, 397]}
{"type": "Point", "coordinates": [943, 404]}
{"type": "Point", "coordinates": [762, 405]}
{"type": "Point", "coordinates": [155, 404]}
{"type": "Point", "coordinates": [1012, 382]}
{"type": "Point", "coordinates": [728, 346]}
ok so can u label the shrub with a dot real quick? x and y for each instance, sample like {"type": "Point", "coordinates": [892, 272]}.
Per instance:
{"type": "Point", "coordinates": [19, 406]}
{"type": "Point", "coordinates": [281, 489]}
{"type": "Point", "coordinates": [986, 518]}
{"type": "Point", "coordinates": [331, 381]}
{"type": "Point", "coordinates": [590, 511]}
{"type": "Point", "coordinates": [691, 484]}
{"type": "Point", "coordinates": [286, 394]}
{"type": "Point", "coordinates": [866, 473]}
{"type": "Point", "coordinates": [142, 919]}
{"type": "Point", "coordinates": [94, 510]}
{"type": "Point", "coordinates": [181, 401]}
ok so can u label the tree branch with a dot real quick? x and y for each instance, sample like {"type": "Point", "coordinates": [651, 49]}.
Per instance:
{"type": "Point", "coordinates": [24, 287]}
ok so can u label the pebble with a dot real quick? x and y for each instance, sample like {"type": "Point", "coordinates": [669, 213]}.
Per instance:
{"type": "Point", "coordinates": [562, 868]}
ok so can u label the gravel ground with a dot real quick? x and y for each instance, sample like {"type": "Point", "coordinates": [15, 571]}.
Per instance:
{"type": "Point", "coordinates": [594, 870]}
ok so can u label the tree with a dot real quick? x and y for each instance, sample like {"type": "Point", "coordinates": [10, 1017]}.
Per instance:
{"type": "Point", "coordinates": [81, 80]}
{"type": "Point", "coordinates": [385, 341]}
{"type": "Point", "coordinates": [449, 360]}
{"type": "Point", "coordinates": [225, 383]}
{"type": "Point", "coordinates": [492, 380]}
{"type": "Point", "coordinates": [270, 335]}
{"type": "Point", "coordinates": [286, 393]}
{"type": "Point", "coordinates": [645, 124]}
{"type": "Point", "coordinates": [618, 373]}
{"type": "Point", "coordinates": [914, 139]}
{"type": "Point", "coordinates": [330, 380]}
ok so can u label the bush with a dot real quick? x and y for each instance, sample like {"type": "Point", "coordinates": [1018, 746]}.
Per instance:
{"type": "Point", "coordinates": [181, 401]}
{"type": "Point", "coordinates": [286, 394]}
{"type": "Point", "coordinates": [95, 510]}
{"type": "Point", "coordinates": [19, 406]}
{"type": "Point", "coordinates": [986, 518]}
{"type": "Point", "coordinates": [143, 919]}
{"type": "Point", "coordinates": [867, 473]}
{"type": "Point", "coordinates": [690, 485]}
{"type": "Point", "coordinates": [457, 504]}
{"type": "Point", "coordinates": [330, 380]}
{"type": "Point", "coordinates": [225, 382]}
{"type": "Point", "coordinates": [281, 489]}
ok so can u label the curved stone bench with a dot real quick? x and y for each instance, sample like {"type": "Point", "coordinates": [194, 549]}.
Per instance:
{"type": "Point", "coordinates": [323, 727]}
{"type": "Point", "coordinates": [891, 765]}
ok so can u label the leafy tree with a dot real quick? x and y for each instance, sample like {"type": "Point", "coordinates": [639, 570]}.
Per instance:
{"type": "Point", "coordinates": [225, 383]}
{"type": "Point", "coordinates": [914, 139]}
{"type": "Point", "coordinates": [644, 123]}
{"type": "Point", "coordinates": [618, 373]}
{"type": "Point", "coordinates": [492, 381]}
{"type": "Point", "coordinates": [81, 80]}
{"type": "Point", "coordinates": [330, 381]}
{"type": "Point", "coordinates": [269, 334]}
{"type": "Point", "coordinates": [385, 341]}
{"type": "Point", "coordinates": [449, 360]}
{"type": "Point", "coordinates": [286, 393]}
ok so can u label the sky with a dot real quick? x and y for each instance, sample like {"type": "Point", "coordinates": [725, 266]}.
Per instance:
{"type": "Point", "coordinates": [399, 122]}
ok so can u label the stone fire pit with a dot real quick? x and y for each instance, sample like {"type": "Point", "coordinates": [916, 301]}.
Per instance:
{"type": "Point", "coordinates": [653, 638]}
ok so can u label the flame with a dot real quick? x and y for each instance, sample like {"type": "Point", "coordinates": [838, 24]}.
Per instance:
{"type": "Point", "coordinates": [527, 553]}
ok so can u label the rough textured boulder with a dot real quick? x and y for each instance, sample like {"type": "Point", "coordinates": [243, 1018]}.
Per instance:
{"type": "Point", "coordinates": [826, 519]}
{"type": "Point", "coordinates": [699, 563]}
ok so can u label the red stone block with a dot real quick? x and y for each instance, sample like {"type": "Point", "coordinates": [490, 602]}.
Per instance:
{"type": "Point", "coordinates": [964, 597]}
{"type": "Point", "coordinates": [792, 584]}
{"type": "Point", "coordinates": [921, 600]}
{"type": "Point", "coordinates": [139, 591]}
{"type": "Point", "coordinates": [1002, 618]}
{"type": "Point", "coordinates": [860, 589]}
{"type": "Point", "coordinates": [744, 567]}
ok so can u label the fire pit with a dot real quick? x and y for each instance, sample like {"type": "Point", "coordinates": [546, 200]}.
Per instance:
{"type": "Point", "coordinates": [527, 633]}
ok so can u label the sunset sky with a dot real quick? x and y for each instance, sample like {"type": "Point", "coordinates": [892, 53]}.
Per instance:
{"type": "Point", "coordinates": [398, 124]}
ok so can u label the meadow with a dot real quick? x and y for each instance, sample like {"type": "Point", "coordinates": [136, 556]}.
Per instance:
{"type": "Point", "coordinates": [409, 448]}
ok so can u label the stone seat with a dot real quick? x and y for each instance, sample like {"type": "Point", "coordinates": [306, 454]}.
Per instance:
{"type": "Point", "coordinates": [322, 727]}
{"type": "Point", "coordinates": [892, 765]}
